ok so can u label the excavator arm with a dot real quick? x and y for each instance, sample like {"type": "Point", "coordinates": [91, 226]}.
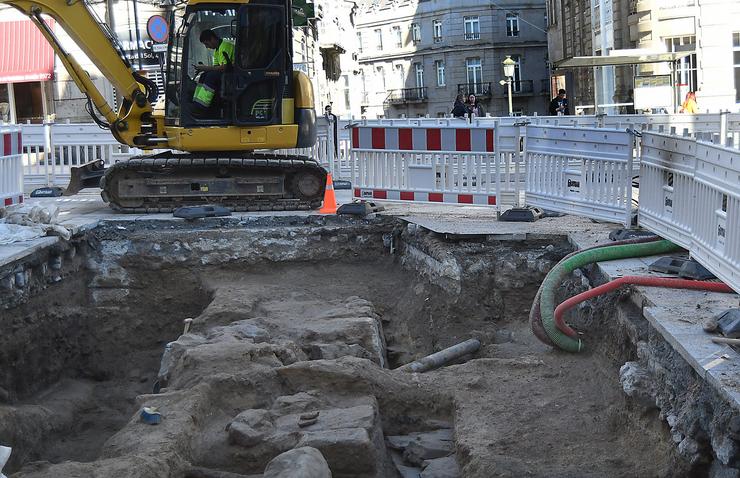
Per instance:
{"type": "Point", "coordinates": [133, 122]}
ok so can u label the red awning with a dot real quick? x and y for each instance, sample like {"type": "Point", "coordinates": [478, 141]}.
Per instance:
{"type": "Point", "coordinates": [25, 54]}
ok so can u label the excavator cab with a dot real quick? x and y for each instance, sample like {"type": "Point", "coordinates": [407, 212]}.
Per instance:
{"type": "Point", "coordinates": [255, 80]}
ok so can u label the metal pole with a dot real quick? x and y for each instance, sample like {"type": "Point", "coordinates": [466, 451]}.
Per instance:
{"type": "Point", "coordinates": [138, 33]}
{"type": "Point", "coordinates": [48, 151]}
{"type": "Point", "coordinates": [508, 83]}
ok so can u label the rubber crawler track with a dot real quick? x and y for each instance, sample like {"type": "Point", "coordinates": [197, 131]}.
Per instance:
{"type": "Point", "coordinates": [215, 162]}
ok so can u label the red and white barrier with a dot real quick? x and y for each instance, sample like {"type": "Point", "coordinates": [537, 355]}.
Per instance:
{"type": "Point", "coordinates": [421, 196]}
{"type": "Point", "coordinates": [11, 166]}
{"type": "Point", "coordinates": [423, 139]}
{"type": "Point", "coordinates": [441, 163]}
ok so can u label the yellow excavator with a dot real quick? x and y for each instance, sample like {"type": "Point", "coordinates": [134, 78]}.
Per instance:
{"type": "Point", "coordinates": [230, 89]}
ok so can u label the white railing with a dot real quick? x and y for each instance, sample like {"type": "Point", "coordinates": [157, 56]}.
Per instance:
{"type": "Point", "coordinates": [508, 146]}
{"type": "Point", "coordinates": [50, 150]}
{"type": "Point", "coordinates": [667, 166]}
{"type": "Point", "coordinates": [690, 194]}
{"type": "Point", "coordinates": [333, 154]}
{"type": "Point", "coordinates": [726, 124]}
{"type": "Point", "coordinates": [581, 171]}
{"type": "Point", "coordinates": [716, 225]}
{"type": "Point", "coordinates": [11, 166]}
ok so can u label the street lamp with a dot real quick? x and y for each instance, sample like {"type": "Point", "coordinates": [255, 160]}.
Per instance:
{"type": "Point", "coordinates": [509, 65]}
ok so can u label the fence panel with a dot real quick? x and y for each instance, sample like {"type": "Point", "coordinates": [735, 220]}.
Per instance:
{"type": "Point", "coordinates": [667, 167]}
{"type": "Point", "coordinates": [52, 149]}
{"type": "Point", "coordinates": [11, 166]}
{"type": "Point", "coordinates": [582, 171]}
{"type": "Point", "coordinates": [508, 144]}
{"type": "Point", "coordinates": [440, 164]}
{"type": "Point", "coordinates": [716, 211]}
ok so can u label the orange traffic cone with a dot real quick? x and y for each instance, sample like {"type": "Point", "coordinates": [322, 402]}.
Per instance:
{"type": "Point", "coordinates": [330, 200]}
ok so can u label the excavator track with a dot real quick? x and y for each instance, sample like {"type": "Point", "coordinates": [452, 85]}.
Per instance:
{"type": "Point", "coordinates": [240, 182]}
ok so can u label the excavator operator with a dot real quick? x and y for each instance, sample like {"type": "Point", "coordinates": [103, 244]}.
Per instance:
{"type": "Point", "coordinates": [210, 80]}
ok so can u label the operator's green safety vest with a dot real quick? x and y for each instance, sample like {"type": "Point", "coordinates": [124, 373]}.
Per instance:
{"type": "Point", "coordinates": [204, 92]}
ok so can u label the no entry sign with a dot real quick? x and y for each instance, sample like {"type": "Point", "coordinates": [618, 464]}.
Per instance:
{"type": "Point", "coordinates": [157, 29]}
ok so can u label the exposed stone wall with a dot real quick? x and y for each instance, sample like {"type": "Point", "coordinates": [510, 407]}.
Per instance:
{"type": "Point", "coordinates": [22, 280]}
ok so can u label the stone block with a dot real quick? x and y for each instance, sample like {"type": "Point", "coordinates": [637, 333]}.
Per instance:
{"type": "Point", "coordinates": [445, 467]}
{"type": "Point", "coordinates": [348, 450]}
{"type": "Point", "coordinates": [250, 427]}
{"type": "Point", "coordinates": [305, 462]}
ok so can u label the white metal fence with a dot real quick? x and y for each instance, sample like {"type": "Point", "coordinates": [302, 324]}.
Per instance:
{"type": "Point", "coordinates": [582, 171]}
{"type": "Point", "coordinates": [716, 224]}
{"type": "Point", "coordinates": [667, 166]}
{"type": "Point", "coordinates": [690, 194]}
{"type": "Point", "coordinates": [332, 152]}
{"type": "Point", "coordinates": [50, 150]}
{"type": "Point", "coordinates": [11, 167]}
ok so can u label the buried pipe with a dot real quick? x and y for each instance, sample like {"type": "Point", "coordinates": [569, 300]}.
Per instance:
{"type": "Point", "coordinates": [666, 282]}
{"type": "Point", "coordinates": [535, 316]}
{"type": "Point", "coordinates": [441, 358]}
{"type": "Point", "coordinates": [558, 273]}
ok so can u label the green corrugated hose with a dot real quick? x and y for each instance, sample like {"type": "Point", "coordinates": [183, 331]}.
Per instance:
{"type": "Point", "coordinates": [556, 276]}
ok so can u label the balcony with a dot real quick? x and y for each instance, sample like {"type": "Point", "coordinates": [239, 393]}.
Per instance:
{"type": "Point", "coordinates": [407, 95]}
{"type": "Point", "coordinates": [472, 36]}
{"type": "Point", "coordinates": [521, 87]}
{"type": "Point", "coordinates": [480, 90]}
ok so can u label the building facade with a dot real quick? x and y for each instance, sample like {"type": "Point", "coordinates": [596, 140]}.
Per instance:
{"type": "Point", "coordinates": [708, 30]}
{"type": "Point", "coordinates": [416, 56]}
{"type": "Point", "coordinates": [337, 79]}
{"type": "Point", "coordinates": [26, 86]}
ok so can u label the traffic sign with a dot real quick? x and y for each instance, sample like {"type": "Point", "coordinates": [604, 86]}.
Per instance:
{"type": "Point", "coordinates": [157, 29]}
{"type": "Point", "coordinates": [159, 47]}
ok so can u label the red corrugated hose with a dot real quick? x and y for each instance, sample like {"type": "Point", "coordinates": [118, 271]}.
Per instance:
{"type": "Point", "coordinates": [666, 282]}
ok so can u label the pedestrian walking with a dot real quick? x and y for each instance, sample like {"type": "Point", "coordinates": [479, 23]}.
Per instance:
{"type": "Point", "coordinates": [689, 104]}
{"type": "Point", "coordinates": [559, 104]}
{"type": "Point", "coordinates": [474, 108]}
{"type": "Point", "coordinates": [459, 110]}
{"type": "Point", "coordinates": [333, 123]}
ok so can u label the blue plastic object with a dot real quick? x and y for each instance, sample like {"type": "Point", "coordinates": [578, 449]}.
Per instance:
{"type": "Point", "coordinates": [151, 416]}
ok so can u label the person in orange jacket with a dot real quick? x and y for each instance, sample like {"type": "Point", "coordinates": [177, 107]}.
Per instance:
{"type": "Point", "coordinates": [689, 104]}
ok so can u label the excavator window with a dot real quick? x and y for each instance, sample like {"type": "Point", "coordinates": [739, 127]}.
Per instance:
{"type": "Point", "coordinates": [260, 70]}
{"type": "Point", "coordinates": [206, 86]}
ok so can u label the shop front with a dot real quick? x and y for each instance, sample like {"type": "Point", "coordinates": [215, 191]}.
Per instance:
{"type": "Point", "coordinates": [26, 70]}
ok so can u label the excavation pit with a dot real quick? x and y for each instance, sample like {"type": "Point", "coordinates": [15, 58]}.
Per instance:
{"type": "Point", "coordinates": [297, 326]}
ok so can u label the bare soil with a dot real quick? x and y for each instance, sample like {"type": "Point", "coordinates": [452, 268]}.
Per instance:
{"type": "Point", "coordinates": [519, 408]}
